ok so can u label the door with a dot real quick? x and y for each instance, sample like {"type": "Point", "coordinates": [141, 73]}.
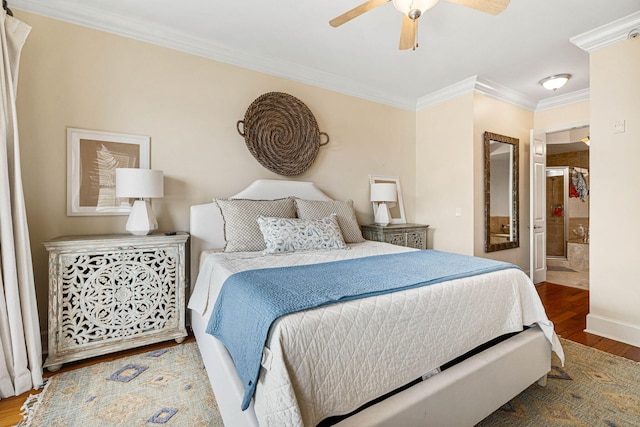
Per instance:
{"type": "Point", "coordinates": [537, 222]}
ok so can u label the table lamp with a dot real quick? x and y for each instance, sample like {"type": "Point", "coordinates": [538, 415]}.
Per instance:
{"type": "Point", "coordinates": [140, 184]}
{"type": "Point", "coordinates": [381, 194]}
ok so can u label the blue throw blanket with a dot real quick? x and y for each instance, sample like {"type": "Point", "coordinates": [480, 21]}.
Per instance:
{"type": "Point", "coordinates": [250, 301]}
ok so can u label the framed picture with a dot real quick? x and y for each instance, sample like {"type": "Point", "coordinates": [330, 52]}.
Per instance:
{"type": "Point", "coordinates": [396, 210]}
{"type": "Point", "coordinates": [92, 159]}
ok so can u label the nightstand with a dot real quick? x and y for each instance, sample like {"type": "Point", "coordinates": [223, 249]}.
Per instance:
{"type": "Point", "coordinates": [113, 292]}
{"type": "Point", "coordinates": [410, 235]}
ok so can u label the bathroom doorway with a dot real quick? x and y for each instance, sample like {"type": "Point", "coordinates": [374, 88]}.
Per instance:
{"type": "Point", "coordinates": [567, 182]}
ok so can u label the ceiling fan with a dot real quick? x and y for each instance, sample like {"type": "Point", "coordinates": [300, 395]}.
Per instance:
{"type": "Point", "coordinates": [414, 9]}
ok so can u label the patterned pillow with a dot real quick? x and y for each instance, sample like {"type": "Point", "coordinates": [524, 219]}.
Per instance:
{"type": "Point", "coordinates": [241, 230]}
{"type": "Point", "coordinates": [283, 235]}
{"type": "Point", "coordinates": [314, 209]}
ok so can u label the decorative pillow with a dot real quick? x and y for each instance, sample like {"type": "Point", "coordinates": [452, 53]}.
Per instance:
{"type": "Point", "coordinates": [298, 235]}
{"type": "Point", "coordinates": [241, 230]}
{"type": "Point", "coordinates": [314, 209]}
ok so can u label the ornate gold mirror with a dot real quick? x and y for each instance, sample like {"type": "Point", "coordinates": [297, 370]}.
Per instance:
{"type": "Point", "coordinates": [501, 192]}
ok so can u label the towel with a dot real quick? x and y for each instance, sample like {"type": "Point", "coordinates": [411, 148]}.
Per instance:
{"type": "Point", "coordinates": [580, 185]}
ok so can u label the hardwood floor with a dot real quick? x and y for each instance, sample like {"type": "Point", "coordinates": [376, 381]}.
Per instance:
{"type": "Point", "coordinates": [566, 307]}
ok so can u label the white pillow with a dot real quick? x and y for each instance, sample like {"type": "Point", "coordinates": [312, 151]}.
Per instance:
{"type": "Point", "coordinates": [241, 230]}
{"type": "Point", "coordinates": [282, 235]}
{"type": "Point", "coordinates": [315, 209]}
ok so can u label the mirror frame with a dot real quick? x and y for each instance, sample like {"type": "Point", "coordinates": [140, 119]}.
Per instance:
{"type": "Point", "coordinates": [515, 231]}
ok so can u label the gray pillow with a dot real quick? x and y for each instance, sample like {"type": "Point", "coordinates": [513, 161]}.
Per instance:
{"type": "Point", "coordinates": [241, 230]}
{"type": "Point", "coordinates": [317, 209]}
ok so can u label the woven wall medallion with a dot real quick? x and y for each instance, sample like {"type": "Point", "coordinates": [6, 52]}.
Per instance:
{"type": "Point", "coordinates": [281, 133]}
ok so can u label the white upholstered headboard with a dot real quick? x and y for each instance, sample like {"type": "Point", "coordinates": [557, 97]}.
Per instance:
{"type": "Point", "coordinates": [207, 225]}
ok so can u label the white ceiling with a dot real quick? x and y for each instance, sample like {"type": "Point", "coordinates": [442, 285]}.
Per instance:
{"type": "Point", "coordinates": [510, 52]}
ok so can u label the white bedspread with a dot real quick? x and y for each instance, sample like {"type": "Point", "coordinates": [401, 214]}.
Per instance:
{"type": "Point", "coordinates": [331, 360]}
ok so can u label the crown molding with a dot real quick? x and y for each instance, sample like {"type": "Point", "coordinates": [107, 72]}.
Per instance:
{"type": "Point", "coordinates": [479, 85]}
{"type": "Point", "coordinates": [503, 93]}
{"type": "Point", "coordinates": [457, 89]}
{"type": "Point", "coordinates": [167, 37]}
{"type": "Point", "coordinates": [608, 34]}
{"type": "Point", "coordinates": [87, 16]}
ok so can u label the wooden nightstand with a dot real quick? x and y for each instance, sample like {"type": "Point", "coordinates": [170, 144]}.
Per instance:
{"type": "Point", "coordinates": [113, 292]}
{"type": "Point", "coordinates": [410, 235]}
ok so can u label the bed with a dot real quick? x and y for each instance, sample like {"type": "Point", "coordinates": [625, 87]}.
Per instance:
{"type": "Point", "coordinates": [311, 369]}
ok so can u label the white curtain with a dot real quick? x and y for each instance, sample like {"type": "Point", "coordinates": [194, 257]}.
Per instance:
{"type": "Point", "coordinates": [20, 346]}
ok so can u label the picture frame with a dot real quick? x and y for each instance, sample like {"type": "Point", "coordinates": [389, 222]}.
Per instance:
{"type": "Point", "coordinates": [92, 157]}
{"type": "Point", "coordinates": [396, 210]}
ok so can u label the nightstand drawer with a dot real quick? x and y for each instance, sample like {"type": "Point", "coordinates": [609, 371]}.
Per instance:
{"type": "Point", "coordinates": [409, 235]}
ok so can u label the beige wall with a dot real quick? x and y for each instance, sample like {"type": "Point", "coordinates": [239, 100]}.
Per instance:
{"type": "Point", "coordinates": [562, 118]}
{"type": "Point", "coordinates": [615, 194]}
{"type": "Point", "coordinates": [491, 115]}
{"type": "Point", "coordinates": [72, 76]}
{"type": "Point", "coordinates": [445, 172]}
{"type": "Point", "coordinates": [450, 172]}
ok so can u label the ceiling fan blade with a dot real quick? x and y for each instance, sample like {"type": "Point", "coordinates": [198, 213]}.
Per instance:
{"type": "Point", "coordinates": [493, 7]}
{"type": "Point", "coordinates": [408, 33]}
{"type": "Point", "coordinates": [355, 12]}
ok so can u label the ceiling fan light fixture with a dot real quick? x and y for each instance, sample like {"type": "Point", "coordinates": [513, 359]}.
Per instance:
{"type": "Point", "coordinates": [413, 8]}
{"type": "Point", "coordinates": [555, 82]}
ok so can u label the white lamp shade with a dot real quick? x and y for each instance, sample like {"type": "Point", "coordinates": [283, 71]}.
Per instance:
{"type": "Point", "coordinates": [406, 6]}
{"type": "Point", "coordinates": [139, 183]}
{"type": "Point", "coordinates": [383, 192]}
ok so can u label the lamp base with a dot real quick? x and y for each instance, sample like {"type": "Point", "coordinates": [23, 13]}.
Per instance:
{"type": "Point", "coordinates": [382, 216]}
{"type": "Point", "coordinates": [141, 220]}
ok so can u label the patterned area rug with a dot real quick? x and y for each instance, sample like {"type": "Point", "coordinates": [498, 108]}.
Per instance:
{"type": "Point", "coordinates": [169, 387]}
{"type": "Point", "coordinates": [592, 389]}
{"type": "Point", "coordinates": [164, 387]}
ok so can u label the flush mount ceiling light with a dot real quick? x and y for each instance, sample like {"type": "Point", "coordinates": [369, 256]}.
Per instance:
{"type": "Point", "coordinates": [555, 82]}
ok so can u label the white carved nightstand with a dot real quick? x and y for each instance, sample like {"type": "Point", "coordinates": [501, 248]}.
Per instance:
{"type": "Point", "coordinates": [114, 292]}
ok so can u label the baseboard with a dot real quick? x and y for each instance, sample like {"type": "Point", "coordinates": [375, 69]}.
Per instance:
{"type": "Point", "coordinates": [613, 329]}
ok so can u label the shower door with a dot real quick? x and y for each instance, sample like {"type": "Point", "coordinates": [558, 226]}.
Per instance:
{"type": "Point", "coordinates": [557, 204]}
